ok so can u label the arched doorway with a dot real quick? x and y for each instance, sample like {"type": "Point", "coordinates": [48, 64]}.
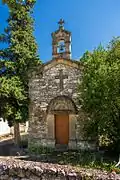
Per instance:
{"type": "Point", "coordinates": [61, 107]}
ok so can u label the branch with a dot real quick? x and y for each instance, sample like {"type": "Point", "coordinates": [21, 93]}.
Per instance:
{"type": "Point", "coordinates": [3, 38]}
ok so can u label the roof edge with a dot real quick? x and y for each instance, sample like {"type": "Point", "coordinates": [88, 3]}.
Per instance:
{"type": "Point", "coordinates": [45, 66]}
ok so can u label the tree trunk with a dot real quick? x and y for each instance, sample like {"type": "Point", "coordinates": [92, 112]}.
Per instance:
{"type": "Point", "coordinates": [16, 134]}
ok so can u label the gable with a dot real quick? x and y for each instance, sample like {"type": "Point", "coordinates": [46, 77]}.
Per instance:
{"type": "Point", "coordinates": [66, 62]}
{"type": "Point", "coordinates": [38, 71]}
{"type": "Point", "coordinates": [51, 70]}
{"type": "Point", "coordinates": [54, 69]}
{"type": "Point", "coordinates": [47, 82]}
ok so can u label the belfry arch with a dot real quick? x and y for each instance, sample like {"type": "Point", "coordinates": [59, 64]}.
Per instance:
{"type": "Point", "coordinates": [61, 42]}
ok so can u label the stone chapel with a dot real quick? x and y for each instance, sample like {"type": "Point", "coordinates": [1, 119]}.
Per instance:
{"type": "Point", "coordinates": [55, 116]}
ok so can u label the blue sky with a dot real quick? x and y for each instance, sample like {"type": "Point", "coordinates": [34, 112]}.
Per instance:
{"type": "Point", "coordinates": [91, 22]}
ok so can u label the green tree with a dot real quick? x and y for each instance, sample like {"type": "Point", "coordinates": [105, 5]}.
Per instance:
{"type": "Point", "coordinates": [22, 47]}
{"type": "Point", "coordinates": [100, 93]}
{"type": "Point", "coordinates": [13, 102]}
{"type": "Point", "coordinates": [17, 60]}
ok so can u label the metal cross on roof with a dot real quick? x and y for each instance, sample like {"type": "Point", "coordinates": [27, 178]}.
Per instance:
{"type": "Point", "coordinates": [61, 23]}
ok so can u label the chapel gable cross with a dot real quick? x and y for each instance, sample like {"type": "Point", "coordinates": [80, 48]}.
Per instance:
{"type": "Point", "coordinates": [61, 77]}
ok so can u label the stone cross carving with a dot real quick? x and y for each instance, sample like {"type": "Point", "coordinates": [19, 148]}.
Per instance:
{"type": "Point", "coordinates": [61, 77]}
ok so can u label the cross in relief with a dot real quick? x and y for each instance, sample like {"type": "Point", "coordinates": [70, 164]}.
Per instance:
{"type": "Point", "coordinates": [61, 77]}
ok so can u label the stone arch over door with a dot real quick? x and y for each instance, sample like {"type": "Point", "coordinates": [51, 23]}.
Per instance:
{"type": "Point", "coordinates": [62, 104]}
{"type": "Point", "coordinates": [61, 120]}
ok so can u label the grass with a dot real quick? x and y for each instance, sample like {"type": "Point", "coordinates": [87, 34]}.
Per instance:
{"type": "Point", "coordinates": [81, 159]}
{"type": "Point", "coordinates": [77, 159]}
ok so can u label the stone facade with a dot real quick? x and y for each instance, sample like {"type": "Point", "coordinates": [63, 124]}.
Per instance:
{"type": "Point", "coordinates": [53, 91]}
{"type": "Point", "coordinates": [47, 99]}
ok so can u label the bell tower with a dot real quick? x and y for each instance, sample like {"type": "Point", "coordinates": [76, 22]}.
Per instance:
{"type": "Point", "coordinates": [61, 42]}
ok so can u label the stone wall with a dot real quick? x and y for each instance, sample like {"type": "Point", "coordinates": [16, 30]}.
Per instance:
{"type": "Point", "coordinates": [11, 169]}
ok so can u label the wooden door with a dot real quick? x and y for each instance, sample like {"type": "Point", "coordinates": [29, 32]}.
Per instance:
{"type": "Point", "coordinates": [62, 129]}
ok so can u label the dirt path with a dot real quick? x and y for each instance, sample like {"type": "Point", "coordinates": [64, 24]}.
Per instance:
{"type": "Point", "coordinates": [5, 147]}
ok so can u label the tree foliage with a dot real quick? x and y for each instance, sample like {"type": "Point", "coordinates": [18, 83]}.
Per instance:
{"type": "Point", "coordinates": [16, 60]}
{"type": "Point", "coordinates": [13, 99]}
{"type": "Point", "coordinates": [100, 93]}
{"type": "Point", "coordinates": [22, 48]}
